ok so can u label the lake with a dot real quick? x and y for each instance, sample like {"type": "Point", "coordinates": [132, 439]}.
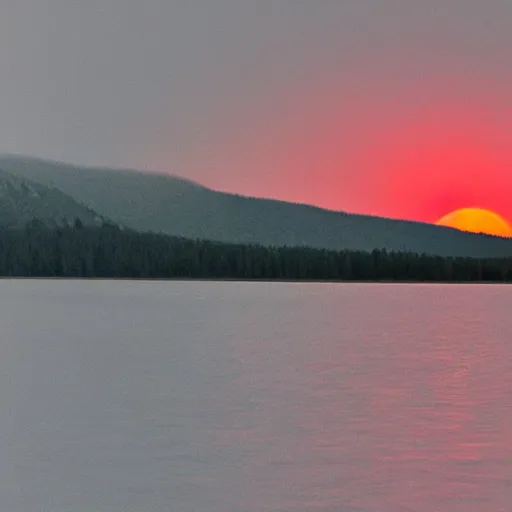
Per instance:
{"type": "Point", "coordinates": [265, 397]}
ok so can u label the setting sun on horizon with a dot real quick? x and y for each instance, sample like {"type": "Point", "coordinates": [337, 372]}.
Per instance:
{"type": "Point", "coordinates": [477, 220]}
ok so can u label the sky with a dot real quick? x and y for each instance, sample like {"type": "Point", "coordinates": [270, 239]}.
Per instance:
{"type": "Point", "coordinates": [399, 108]}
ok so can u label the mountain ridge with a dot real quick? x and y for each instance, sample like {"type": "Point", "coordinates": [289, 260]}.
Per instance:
{"type": "Point", "coordinates": [149, 201]}
{"type": "Point", "coordinates": [23, 200]}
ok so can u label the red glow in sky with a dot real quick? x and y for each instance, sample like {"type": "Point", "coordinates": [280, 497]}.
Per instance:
{"type": "Point", "coordinates": [442, 160]}
{"type": "Point", "coordinates": [416, 151]}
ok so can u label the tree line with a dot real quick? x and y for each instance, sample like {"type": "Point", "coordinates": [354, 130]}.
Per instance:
{"type": "Point", "coordinates": [111, 252]}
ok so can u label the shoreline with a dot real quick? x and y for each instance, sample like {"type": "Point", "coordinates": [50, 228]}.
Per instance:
{"type": "Point", "coordinates": [240, 280]}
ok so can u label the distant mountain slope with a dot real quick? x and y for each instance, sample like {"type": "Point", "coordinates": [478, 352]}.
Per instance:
{"type": "Point", "coordinates": [160, 203]}
{"type": "Point", "coordinates": [22, 200]}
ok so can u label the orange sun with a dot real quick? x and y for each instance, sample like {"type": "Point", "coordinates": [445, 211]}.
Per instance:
{"type": "Point", "coordinates": [477, 220]}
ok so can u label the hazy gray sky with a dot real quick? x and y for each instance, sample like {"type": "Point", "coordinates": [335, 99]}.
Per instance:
{"type": "Point", "coordinates": [268, 97]}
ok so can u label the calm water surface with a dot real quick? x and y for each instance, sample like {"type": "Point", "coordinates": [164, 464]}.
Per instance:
{"type": "Point", "coordinates": [228, 397]}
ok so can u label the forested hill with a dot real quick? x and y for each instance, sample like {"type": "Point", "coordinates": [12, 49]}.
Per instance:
{"type": "Point", "coordinates": [174, 206]}
{"type": "Point", "coordinates": [110, 252]}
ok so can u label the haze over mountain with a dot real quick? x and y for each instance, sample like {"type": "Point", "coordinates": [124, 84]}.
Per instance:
{"type": "Point", "coordinates": [394, 108]}
{"type": "Point", "coordinates": [22, 200]}
{"type": "Point", "coordinates": [171, 205]}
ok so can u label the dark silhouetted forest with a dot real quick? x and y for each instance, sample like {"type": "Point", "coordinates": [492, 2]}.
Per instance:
{"type": "Point", "coordinates": [110, 252]}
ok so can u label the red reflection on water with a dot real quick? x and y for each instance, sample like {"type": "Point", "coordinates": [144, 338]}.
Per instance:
{"type": "Point", "coordinates": [383, 411]}
{"type": "Point", "coordinates": [432, 439]}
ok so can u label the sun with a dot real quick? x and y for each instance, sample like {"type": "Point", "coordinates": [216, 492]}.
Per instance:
{"type": "Point", "coordinates": [477, 220]}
